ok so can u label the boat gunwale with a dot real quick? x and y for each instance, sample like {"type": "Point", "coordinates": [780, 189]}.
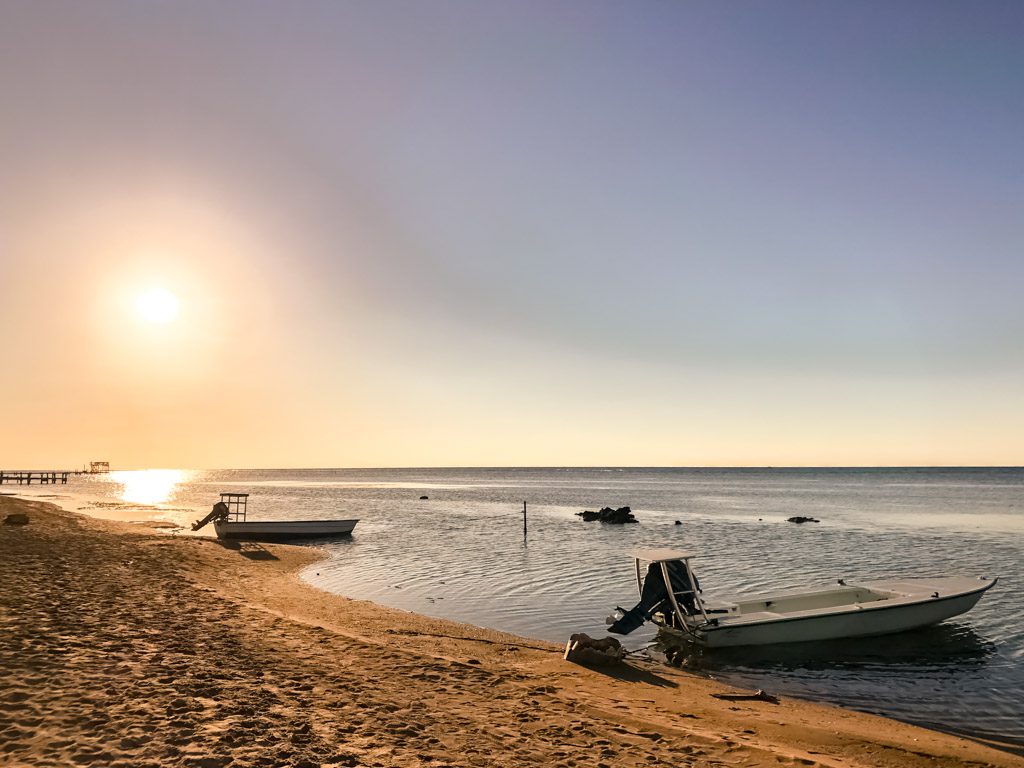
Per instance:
{"type": "Point", "coordinates": [709, 628]}
{"type": "Point", "coordinates": [281, 522]}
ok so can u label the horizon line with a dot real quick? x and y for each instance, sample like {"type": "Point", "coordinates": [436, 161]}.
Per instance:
{"type": "Point", "coordinates": [588, 466]}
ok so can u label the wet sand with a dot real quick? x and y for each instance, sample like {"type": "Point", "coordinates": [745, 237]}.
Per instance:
{"type": "Point", "coordinates": [120, 646]}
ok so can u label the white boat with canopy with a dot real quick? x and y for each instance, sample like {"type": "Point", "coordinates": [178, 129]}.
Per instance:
{"type": "Point", "coordinates": [671, 597]}
{"type": "Point", "coordinates": [229, 518]}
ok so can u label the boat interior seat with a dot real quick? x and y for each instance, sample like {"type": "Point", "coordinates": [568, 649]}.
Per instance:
{"type": "Point", "coordinates": [760, 616]}
{"type": "Point", "coordinates": [720, 606]}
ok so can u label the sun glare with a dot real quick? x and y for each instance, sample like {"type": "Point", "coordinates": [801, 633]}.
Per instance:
{"type": "Point", "coordinates": [157, 305]}
{"type": "Point", "coordinates": [149, 486]}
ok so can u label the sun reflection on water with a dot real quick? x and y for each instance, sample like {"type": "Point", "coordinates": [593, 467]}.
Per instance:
{"type": "Point", "coordinates": [149, 486]}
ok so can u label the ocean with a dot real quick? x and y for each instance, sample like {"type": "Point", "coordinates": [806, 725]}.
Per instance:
{"type": "Point", "coordinates": [461, 554]}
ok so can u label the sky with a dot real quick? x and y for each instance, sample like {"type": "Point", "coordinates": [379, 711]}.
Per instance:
{"type": "Point", "coordinates": [454, 233]}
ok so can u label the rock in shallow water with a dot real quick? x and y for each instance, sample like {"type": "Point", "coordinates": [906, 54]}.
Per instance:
{"type": "Point", "coordinates": [608, 515]}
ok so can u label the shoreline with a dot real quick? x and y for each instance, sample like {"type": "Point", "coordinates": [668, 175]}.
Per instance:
{"type": "Point", "coordinates": [133, 648]}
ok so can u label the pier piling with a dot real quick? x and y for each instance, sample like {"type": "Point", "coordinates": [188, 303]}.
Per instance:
{"type": "Point", "coordinates": [28, 476]}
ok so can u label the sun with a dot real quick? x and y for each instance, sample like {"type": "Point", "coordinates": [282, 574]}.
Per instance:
{"type": "Point", "coordinates": [157, 306]}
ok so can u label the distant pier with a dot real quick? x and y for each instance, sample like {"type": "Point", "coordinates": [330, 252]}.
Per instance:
{"type": "Point", "coordinates": [41, 476]}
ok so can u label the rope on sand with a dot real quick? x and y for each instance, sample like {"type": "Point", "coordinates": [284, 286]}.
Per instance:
{"type": "Point", "coordinates": [471, 639]}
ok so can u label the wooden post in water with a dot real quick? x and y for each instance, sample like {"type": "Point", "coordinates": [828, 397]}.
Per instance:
{"type": "Point", "coordinates": [524, 521]}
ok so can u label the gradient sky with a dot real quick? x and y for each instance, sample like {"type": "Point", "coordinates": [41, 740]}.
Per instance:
{"type": "Point", "coordinates": [474, 233]}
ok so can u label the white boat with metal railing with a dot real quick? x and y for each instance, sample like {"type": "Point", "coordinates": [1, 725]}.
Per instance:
{"type": "Point", "coordinates": [229, 518]}
{"type": "Point", "coordinates": [671, 597]}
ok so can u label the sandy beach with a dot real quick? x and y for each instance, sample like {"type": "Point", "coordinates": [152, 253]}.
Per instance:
{"type": "Point", "coordinates": [123, 646]}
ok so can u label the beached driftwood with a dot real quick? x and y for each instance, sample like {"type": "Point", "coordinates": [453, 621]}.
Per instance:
{"type": "Point", "coordinates": [608, 515]}
{"type": "Point", "coordinates": [758, 695]}
{"type": "Point", "coordinates": [581, 648]}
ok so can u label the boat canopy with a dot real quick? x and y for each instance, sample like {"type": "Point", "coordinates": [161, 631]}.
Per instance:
{"type": "Point", "coordinates": [662, 555]}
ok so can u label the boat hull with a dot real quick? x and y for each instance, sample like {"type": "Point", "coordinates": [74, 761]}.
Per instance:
{"type": "Point", "coordinates": [866, 620]}
{"type": "Point", "coordinates": [283, 530]}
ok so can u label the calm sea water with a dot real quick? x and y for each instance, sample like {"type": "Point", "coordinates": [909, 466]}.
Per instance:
{"type": "Point", "coordinates": [461, 554]}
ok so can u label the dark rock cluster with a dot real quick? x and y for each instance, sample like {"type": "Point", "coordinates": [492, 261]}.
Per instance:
{"type": "Point", "coordinates": [584, 649]}
{"type": "Point", "coordinates": [16, 518]}
{"type": "Point", "coordinates": [608, 515]}
{"type": "Point", "coordinates": [802, 519]}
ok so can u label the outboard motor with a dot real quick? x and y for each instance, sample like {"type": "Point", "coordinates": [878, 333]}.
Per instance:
{"type": "Point", "coordinates": [655, 595]}
{"type": "Point", "coordinates": [219, 512]}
